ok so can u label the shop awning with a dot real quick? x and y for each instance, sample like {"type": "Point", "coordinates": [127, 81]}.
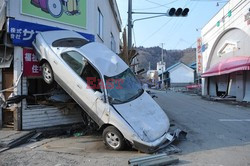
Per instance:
{"type": "Point", "coordinates": [233, 64]}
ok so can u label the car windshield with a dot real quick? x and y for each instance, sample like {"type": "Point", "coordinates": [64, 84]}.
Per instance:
{"type": "Point", "coordinates": [123, 87]}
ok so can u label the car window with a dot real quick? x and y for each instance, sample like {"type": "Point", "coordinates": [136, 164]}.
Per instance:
{"type": "Point", "coordinates": [83, 68]}
{"type": "Point", "coordinates": [70, 42]}
{"type": "Point", "coordinates": [75, 60]}
{"type": "Point", "coordinates": [92, 77]}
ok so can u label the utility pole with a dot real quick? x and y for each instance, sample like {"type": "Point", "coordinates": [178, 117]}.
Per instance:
{"type": "Point", "coordinates": [130, 24]}
{"type": "Point", "coordinates": [162, 81]}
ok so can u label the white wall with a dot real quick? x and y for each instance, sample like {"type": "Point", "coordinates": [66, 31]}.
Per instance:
{"type": "Point", "coordinates": [181, 74]}
{"type": "Point", "coordinates": [110, 25]}
{"type": "Point", "coordinates": [210, 33]}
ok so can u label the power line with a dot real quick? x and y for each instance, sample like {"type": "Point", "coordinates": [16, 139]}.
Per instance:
{"type": "Point", "coordinates": [157, 31]}
{"type": "Point", "coordinates": [162, 5]}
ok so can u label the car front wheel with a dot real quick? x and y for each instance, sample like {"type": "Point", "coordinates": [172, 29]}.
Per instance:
{"type": "Point", "coordinates": [113, 138]}
{"type": "Point", "coordinates": [47, 73]}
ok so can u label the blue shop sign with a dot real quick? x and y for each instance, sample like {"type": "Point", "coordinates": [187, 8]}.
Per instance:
{"type": "Point", "coordinates": [23, 33]}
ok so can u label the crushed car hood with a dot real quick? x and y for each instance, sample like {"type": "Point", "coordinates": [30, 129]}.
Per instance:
{"type": "Point", "coordinates": [145, 116]}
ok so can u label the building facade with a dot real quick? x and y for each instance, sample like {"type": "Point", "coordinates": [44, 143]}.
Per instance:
{"type": "Point", "coordinates": [178, 75]}
{"type": "Point", "coordinates": [20, 73]}
{"type": "Point", "coordinates": [223, 53]}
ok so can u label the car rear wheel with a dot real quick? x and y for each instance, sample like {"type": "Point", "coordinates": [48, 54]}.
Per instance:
{"type": "Point", "coordinates": [47, 73]}
{"type": "Point", "coordinates": [113, 138]}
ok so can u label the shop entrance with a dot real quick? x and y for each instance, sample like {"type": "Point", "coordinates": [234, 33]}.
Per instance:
{"type": "Point", "coordinates": [8, 114]}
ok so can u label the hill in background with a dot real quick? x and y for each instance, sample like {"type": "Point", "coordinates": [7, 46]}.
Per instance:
{"type": "Point", "coordinates": [153, 55]}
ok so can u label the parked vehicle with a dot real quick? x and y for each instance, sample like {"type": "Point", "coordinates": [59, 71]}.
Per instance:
{"type": "Point", "coordinates": [105, 87]}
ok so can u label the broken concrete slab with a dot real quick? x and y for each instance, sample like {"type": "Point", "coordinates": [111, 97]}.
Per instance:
{"type": "Point", "coordinates": [10, 138]}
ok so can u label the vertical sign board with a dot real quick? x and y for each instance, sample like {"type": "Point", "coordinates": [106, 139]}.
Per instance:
{"type": "Point", "coordinates": [31, 67]}
{"type": "Point", "coordinates": [199, 56]}
{"type": "Point", "coordinates": [70, 12]}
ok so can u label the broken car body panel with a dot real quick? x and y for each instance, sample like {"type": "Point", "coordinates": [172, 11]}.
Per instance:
{"type": "Point", "coordinates": [131, 110]}
{"type": "Point", "coordinates": [144, 116]}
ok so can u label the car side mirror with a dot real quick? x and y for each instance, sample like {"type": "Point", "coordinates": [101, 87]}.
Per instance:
{"type": "Point", "coordinates": [99, 95]}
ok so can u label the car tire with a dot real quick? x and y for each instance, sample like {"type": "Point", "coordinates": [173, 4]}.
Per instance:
{"type": "Point", "coordinates": [113, 138]}
{"type": "Point", "coordinates": [55, 8]}
{"type": "Point", "coordinates": [47, 73]}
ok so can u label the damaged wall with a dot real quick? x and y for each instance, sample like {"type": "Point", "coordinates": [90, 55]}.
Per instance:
{"type": "Point", "coordinates": [247, 87]}
{"type": "Point", "coordinates": [45, 116]}
{"type": "Point", "coordinates": [41, 116]}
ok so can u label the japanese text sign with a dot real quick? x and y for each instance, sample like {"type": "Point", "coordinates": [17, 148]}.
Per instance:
{"type": "Point", "coordinates": [199, 56]}
{"type": "Point", "coordinates": [23, 33]}
{"type": "Point", "coordinates": [31, 67]}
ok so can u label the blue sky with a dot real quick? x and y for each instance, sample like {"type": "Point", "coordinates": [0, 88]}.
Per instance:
{"type": "Point", "coordinates": [174, 32]}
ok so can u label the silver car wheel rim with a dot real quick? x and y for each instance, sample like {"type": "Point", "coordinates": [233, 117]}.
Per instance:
{"type": "Point", "coordinates": [113, 140]}
{"type": "Point", "coordinates": [47, 74]}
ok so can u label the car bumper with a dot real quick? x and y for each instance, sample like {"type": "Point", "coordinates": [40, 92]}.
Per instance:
{"type": "Point", "coordinates": [161, 143]}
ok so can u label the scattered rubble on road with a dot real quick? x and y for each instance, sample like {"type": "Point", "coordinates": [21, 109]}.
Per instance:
{"type": "Point", "coordinates": [11, 139]}
{"type": "Point", "coordinates": [152, 160]}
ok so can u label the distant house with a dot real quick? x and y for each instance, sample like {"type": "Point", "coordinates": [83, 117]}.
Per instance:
{"type": "Point", "coordinates": [178, 75]}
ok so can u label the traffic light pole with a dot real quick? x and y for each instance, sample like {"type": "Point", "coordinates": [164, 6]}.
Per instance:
{"type": "Point", "coordinates": [171, 12]}
{"type": "Point", "coordinates": [130, 24]}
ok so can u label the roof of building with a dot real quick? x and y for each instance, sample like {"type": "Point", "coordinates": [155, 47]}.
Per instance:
{"type": "Point", "coordinates": [193, 65]}
{"type": "Point", "coordinates": [175, 65]}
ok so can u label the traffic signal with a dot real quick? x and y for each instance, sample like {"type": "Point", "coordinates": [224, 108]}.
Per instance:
{"type": "Point", "coordinates": [178, 12]}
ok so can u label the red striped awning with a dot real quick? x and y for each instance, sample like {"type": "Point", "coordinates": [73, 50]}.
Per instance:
{"type": "Point", "coordinates": [233, 64]}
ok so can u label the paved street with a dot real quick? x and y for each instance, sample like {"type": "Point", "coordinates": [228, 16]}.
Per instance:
{"type": "Point", "coordinates": [218, 134]}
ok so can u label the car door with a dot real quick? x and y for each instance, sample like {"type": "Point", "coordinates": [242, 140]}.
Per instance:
{"type": "Point", "coordinates": [85, 86]}
{"type": "Point", "coordinates": [62, 73]}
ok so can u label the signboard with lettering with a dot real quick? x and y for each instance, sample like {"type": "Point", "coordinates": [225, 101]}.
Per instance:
{"type": "Point", "coordinates": [31, 67]}
{"type": "Point", "coordinates": [71, 12]}
{"type": "Point", "coordinates": [23, 33]}
{"type": "Point", "coordinates": [199, 56]}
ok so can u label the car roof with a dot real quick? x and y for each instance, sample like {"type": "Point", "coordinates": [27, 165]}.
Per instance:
{"type": "Point", "coordinates": [106, 61]}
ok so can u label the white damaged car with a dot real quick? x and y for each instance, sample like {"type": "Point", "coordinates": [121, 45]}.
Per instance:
{"type": "Point", "coordinates": [106, 89]}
